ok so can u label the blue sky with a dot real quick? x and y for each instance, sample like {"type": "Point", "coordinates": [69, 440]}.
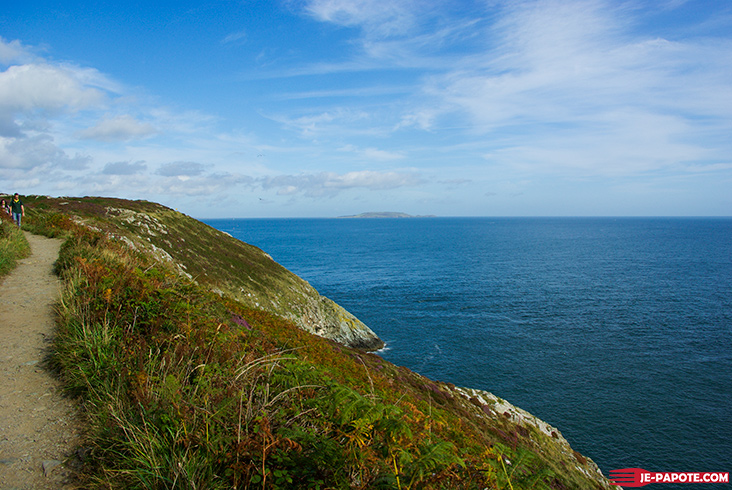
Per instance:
{"type": "Point", "coordinates": [320, 108]}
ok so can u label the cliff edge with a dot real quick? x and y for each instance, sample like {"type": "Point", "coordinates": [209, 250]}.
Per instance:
{"type": "Point", "coordinates": [202, 361]}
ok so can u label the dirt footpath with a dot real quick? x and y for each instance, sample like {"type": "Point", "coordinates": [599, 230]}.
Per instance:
{"type": "Point", "coordinates": [38, 430]}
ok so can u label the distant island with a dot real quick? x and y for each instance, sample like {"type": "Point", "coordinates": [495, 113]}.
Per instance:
{"type": "Point", "coordinates": [386, 215]}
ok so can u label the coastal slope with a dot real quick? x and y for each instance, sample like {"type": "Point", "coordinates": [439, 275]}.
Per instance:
{"type": "Point", "coordinates": [200, 360]}
{"type": "Point", "coordinates": [219, 261]}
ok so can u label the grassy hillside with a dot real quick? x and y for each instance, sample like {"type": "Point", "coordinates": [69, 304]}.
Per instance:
{"type": "Point", "coordinates": [186, 384]}
{"type": "Point", "coordinates": [215, 260]}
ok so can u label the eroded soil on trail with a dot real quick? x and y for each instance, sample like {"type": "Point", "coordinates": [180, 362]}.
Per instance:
{"type": "Point", "coordinates": [38, 426]}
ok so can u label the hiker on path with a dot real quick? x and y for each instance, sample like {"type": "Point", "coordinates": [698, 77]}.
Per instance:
{"type": "Point", "coordinates": [16, 206]}
{"type": "Point", "coordinates": [5, 208]}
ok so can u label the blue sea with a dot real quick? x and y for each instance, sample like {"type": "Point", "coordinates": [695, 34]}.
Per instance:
{"type": "Point", "coordinates": [617, 331]}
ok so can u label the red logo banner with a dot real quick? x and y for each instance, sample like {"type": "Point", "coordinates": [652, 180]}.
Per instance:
{"type": "Point", "coordinates": [638, 477]}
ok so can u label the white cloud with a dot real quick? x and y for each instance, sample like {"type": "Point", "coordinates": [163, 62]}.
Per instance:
{"type": "Point", "coordinates": [29, 96]}
{"type": "Point", "coordinates": [13, 51]}
{"type": "Point", "coordinates": [33, 98]}
{"type": "Point", "coordinates": [52, 114]}
{"type": "Point", "coordinates": [118, 128]}
{"type": "Point", "coordinates": [45, 87]}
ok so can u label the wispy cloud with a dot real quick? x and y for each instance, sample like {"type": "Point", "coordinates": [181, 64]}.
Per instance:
{"type": "Point", "coordinates": [558, 62]}
{"type": "Point", "coordinates": [566, 86]}
{"type": "Point", "coordinates": [118, 128]}
{"type": "Point", "coordinates": [336, 120]}
{"type": "Point", "coordinates": [181, 169]}
{"type": "Point", "coordinates": [38, 154]}
{"type": "Point", "coordinates": [367, 91]}
{"type": "Point", "coordinates": [374, 154]}
{"type": "Point", "coordinates": [235, 38]}
{"type": "Point", "coordinates": [374, 16]}
{"type": "Point", "coordinates": [328, 184]}
{"type": "Point", "coordinates": [124, 168]}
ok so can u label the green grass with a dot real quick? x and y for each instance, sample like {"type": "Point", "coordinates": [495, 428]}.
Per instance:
{"type": "Point", "coordinates": [13, 246]}
{"type": "Point", "coordinates": [184, 387]}
{"type": "Point", "coordinates": [183, 390]}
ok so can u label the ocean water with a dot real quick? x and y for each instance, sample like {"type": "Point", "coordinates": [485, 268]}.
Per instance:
{"type": "Point", "coordinates": [616, 331]}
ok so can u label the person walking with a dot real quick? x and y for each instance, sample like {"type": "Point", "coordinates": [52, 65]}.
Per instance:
{"type": "Point", "coordinates": [17, 209]}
